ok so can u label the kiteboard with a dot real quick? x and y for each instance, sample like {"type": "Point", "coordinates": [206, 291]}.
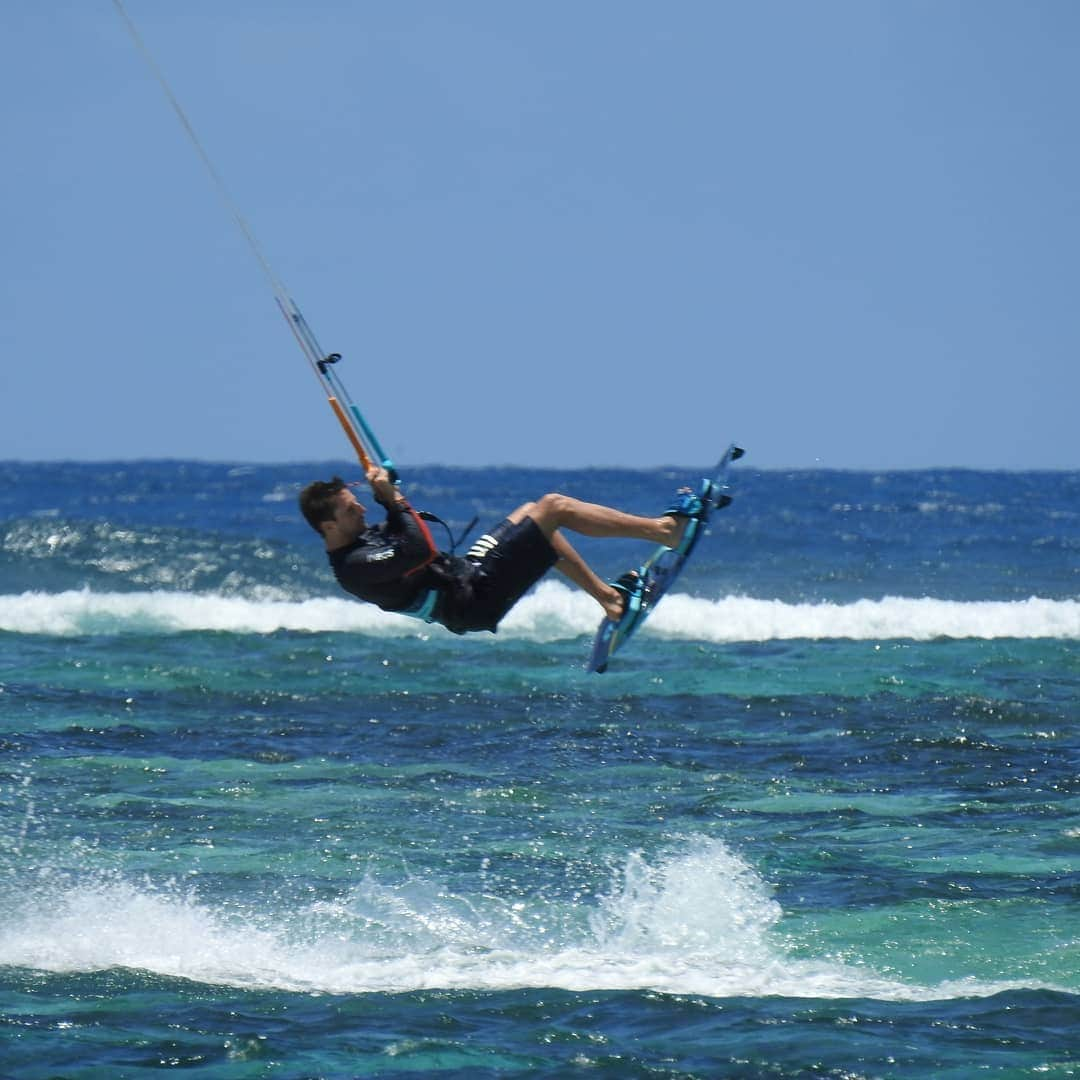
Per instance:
{"type": "Point", "coordinates": [660, 571]}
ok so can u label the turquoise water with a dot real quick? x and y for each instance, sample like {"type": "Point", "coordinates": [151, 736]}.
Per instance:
{"type": "Point", "coordinates": [819, 820]}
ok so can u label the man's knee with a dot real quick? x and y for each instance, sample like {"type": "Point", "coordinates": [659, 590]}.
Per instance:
{"type": "Point", "coordinates": [553, 505]}
{"type": "Point", "coordinates": [549, 510]}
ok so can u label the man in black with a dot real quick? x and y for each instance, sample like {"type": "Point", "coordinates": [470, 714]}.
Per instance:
{"type": "Point", "coordinates": [399, 568]}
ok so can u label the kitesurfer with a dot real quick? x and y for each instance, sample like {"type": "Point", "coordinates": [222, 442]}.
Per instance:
{"type": "Point", "coordinates": [397, 566]}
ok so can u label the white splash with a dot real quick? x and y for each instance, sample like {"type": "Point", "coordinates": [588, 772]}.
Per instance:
{"type": "Point", "coordinates": [696, 919]}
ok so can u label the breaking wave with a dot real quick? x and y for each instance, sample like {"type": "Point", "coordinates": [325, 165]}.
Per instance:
{"type": "Point", "coordinates": [552, 613]}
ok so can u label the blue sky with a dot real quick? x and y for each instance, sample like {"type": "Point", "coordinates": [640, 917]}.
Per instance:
{"type": "Point", "coordinates": [845, 233]}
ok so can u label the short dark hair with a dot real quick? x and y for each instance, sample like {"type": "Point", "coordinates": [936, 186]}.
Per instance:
{"type": "Point", "coordinates": [318, 501]}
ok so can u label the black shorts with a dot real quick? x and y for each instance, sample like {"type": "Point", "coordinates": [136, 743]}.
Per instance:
{"type": "Point", "coordinates": [499, 569]}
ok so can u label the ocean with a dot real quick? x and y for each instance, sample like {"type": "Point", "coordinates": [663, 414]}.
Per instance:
{"type": "Point", "coordinates": [819, 819]}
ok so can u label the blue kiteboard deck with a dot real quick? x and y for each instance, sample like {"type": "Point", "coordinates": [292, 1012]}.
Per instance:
{"type": "Point", "coordinates": [659, 572]}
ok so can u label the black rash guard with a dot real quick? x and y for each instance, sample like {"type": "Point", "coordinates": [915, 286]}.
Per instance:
{"type": "Point", "coordinates": [389, 565]}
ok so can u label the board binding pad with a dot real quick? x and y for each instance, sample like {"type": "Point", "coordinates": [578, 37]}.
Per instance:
{"type": "Point", "coordinates": [658, 573]}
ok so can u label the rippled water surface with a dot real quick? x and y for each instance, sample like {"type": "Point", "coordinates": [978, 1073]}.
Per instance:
{"type": "Point", "coordinates": [820, 818]}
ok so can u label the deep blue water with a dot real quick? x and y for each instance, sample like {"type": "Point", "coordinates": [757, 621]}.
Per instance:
{"type": "Point", "coordinates": [819, 819]}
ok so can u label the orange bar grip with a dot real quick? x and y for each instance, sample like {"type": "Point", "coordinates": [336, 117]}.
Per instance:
{"type": "Point", "coordinates": [339, 412]}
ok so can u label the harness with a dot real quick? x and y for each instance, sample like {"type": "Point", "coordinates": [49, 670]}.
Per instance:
{"type": "Point", "coordinates": [424, 607]}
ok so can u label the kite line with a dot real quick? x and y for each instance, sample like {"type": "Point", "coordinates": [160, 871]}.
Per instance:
{"type": "Point", "coordinates": [368, 449]}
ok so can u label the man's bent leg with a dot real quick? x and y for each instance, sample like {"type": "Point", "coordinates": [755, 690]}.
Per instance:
{"type": "Point", "coordinates": [580, 573]}
{"type": "Point", "coordinates": [555, 511]}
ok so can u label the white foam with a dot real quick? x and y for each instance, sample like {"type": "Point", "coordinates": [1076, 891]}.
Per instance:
{"type": "Point", "coordinates": [696, 919]}
{"type": "Point", "coordinates": [86, 612]}
{"type": "Point", "coordinates": [922, 619]}
{"type": "Point", "coordinates": [551, 613]}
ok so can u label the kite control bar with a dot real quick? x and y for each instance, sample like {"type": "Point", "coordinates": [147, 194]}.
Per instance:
{"type": "Point", "coordinates": [367, 446]}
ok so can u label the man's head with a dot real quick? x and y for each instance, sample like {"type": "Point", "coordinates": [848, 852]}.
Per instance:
{"type": "Point", "coordinates": [331, 509]}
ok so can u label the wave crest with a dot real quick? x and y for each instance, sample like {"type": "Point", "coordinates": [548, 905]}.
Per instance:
{"type": "Point", "coordinates": [552, 613]}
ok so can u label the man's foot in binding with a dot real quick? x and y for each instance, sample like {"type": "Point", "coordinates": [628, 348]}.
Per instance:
{"type": "Point", "coordinates": [625, 585]}
{"type": "Point", "coordinates": [686, 506]}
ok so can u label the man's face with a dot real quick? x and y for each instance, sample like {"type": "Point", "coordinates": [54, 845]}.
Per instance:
{"type": "Point", "coordinates": [348, 512]}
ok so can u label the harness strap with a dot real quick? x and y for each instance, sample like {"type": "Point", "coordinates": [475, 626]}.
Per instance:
{"type": "Point", "coordinates": [424, 608]}
{"type": "Point", "coordinates": [433, 549]}
{"type": "Point", "coordinates": [454, 543]}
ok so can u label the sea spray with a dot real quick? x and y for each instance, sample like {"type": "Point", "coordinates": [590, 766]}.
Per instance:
{"type": "Point", "coordinates": [695, 919]}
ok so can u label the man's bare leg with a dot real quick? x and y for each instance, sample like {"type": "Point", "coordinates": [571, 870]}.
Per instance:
{"type": "Point", "coordinates": [555, 511]}
{"type": "Point", "coordinates": [573, 566]}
